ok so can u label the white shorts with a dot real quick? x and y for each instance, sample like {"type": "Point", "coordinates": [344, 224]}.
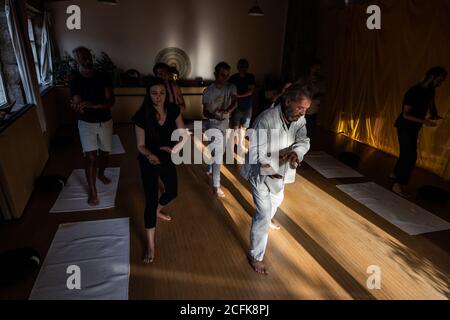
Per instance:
{"type": "Point", "coordinates": [95, 136]}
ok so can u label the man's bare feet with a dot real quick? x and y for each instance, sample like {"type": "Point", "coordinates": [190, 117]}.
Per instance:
{"type": "Point", "coordinates": [149, 256]}
{"type": "Point", "coordinates": [218, 192]}
{"type": "Point", "coordinates": [257, 266]}
{"type": "Point", "coordinates": [243, 149]}
{"type": "Point", "coordinates": [400, 190]}
{"type": "Point", "coordinates": [275, 225]}
{"type": "Point", "coordinates": [164, 216]}
{"type": "Point", "coordinates": [104, 179]}
{"type": "Point", "coordinates": [93, 199]}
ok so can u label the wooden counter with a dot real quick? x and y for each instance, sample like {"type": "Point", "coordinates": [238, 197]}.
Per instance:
{"type": "Point", "coordinates": [129, 100]}
{"type": "Point", "coordinates": [23, 150]}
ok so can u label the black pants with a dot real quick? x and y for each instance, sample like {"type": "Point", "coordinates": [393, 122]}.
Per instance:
{"type": "Point", "coordinates": [150, 174]}
{"type": "Point", "coordinates": [407, 138]}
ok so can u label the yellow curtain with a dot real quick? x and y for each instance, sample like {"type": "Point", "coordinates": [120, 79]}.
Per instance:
{"type": "Point", "coordinates": [369, 71]}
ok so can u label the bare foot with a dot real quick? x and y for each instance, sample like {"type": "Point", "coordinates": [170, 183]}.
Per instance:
{"type": "Point", "coordinates": [164, 216]}
{"type": "Point", "coordinates": [400, 190]}
{"type": "Point", "coordinates": [244, 149]}
{"type": "Point", "coordinates": [218, 192]}
{"type": "Point", "coordinates": [104, 179]}
{"type": "Point", "coordinates": [93, 199]}
{"type": "Point", "coordinates": [275, 225]}
{"type": "Point", "coordinates": [257, 266]}
{"type": "Point", "coordinates": [149, 257]}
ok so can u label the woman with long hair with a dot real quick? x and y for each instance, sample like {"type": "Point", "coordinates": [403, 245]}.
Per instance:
{"type": "Point", "coordinates": [154, 124]}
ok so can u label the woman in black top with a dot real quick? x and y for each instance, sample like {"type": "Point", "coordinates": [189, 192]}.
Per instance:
{"type": "Point", "coordinates": [154, 123]}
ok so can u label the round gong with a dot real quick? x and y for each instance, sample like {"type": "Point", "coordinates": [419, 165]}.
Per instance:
{"type": "Point", "coordinates": [177, 58]}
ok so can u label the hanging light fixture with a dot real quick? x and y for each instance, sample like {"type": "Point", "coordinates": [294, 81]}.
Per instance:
{"type": "Point", "coordinates": [111, 2]}
{"type": "Point", "coordinates": [256, 10]}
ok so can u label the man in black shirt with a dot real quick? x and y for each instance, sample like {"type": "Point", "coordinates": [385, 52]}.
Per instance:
{"type": "Point", "coordinates": [92, 98]}
{"type": "Point", "coordinates": [245, 84]}
{"type": "Point", "coordinates": [418, 101]}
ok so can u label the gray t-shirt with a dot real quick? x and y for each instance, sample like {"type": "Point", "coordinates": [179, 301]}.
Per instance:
{"type": "Point", "coordinates": [218, 98]}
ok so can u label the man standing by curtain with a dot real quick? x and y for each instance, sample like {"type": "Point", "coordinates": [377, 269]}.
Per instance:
{"type": "Point", "coordinates": [92, 97]}
{"type": "Point", "coordinates": [418, 102]}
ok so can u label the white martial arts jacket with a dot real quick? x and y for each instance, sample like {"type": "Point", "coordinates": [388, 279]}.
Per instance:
{"type": "Point", "coordinates": [275, 138]}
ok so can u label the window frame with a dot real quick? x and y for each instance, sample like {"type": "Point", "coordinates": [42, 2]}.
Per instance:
{"type": "Point", "coordinates": [3, 88]}
{"type": "Point", "coordinates": [33, 44]}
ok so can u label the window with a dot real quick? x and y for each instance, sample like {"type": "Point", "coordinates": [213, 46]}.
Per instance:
{"type": "Point", "coordinates": [34, 48]}
{"type": "Point", "coordinates": [11, 90]}
{"type": "Point", "coordinates": [3, 97]}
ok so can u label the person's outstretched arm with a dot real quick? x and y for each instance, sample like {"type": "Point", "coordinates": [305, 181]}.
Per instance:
{"type": "Point", "coordinates": [184, 137]}
{"type": "Point", "coordinates": [140, 139]}
{"type": "Point", "coordinates": [408, 116]}
{"type": "Point", "coordinates": [302, 143]}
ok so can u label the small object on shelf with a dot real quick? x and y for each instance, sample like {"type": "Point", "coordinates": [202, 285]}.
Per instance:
{"type": "Point", "coordinates": [131, 77]}
{"type": "Point", "coordinates": [7, 109]}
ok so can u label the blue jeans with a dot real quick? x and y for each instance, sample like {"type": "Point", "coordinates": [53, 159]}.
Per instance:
{"type": "Point", "coordinates": [215, 166]}
{"type": "Point", "coordinates": [241, 118]}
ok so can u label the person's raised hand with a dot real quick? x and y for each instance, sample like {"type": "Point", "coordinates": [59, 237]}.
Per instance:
{"type": "Point", "coordinates": [166, 149]}
{"type": "Point", "coordinates": [292, 158]}
{"type": "Point", "coordinates": [77, 107]}
{"type": "Point", "coordinates": [153, 159]}
{"type": "Point", "coordinates": [73, 105]}
{"type": "Point", "coordinates": [429, 123]}
{"type": "Point", "coordinates": [219, 115]}
{"type": "Point", "coordinates": [88, 104]}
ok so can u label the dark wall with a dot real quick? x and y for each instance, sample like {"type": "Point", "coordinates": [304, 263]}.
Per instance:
{"type": "Point", "coordinates": [300, 46]}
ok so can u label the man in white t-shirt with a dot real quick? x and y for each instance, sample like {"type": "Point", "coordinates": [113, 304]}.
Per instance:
{"type": "Point", "coordinates": [219, 101]}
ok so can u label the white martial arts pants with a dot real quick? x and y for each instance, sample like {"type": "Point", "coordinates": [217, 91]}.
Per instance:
{"type": "Point", "coordinates": [267, 203]}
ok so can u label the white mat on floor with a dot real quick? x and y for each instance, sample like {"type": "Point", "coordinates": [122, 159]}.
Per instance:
{"type": "Point", "coordinates": [405, 215]}
{"type": "Point", "coordinates": [74, 195]}
{"type": "Point", "coordinates": [330, 167]}
{"type": "Point", "coordinates": [101, 250]}
{"type": "Point", "coordinates": [117, 147]}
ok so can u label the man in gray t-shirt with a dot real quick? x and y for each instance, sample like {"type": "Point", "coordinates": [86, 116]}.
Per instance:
{"type": "Point", "coordinates": [219, 101]}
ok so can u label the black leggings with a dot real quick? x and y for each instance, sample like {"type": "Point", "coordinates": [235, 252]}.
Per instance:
{"type": "Point", "coordinates": [150, 178]}
{"type": "Point", "coordinates": [407, 139]}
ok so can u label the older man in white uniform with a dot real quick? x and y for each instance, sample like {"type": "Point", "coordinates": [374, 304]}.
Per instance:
{"type": "Point", "coordinates": [273, 157]}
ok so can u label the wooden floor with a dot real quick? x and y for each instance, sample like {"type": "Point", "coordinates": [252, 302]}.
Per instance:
{"type": "Point", "coordinates": [326, 243]}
